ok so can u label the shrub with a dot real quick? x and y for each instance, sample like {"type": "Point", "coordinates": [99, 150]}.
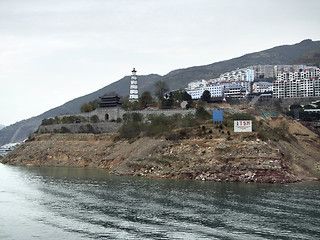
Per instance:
{"type": "Point", "coordinates": [263, 135]}
{"type": "Point", "coordinates": [202, 114]}
{"type": "Point", "coordinates": [136, 117]}
{"type": "Point", "coordinates": [94, 119]}
{"type": "Point", "coordinates": [176, 135]}
{"type": "Point", "coordinates": [130, 130]}
{"type": "Point", "coordinates": [119, 120]}
{"type": "Point", "coordinates": [90, 128]}
{"type": "Point", "coordinates": [73, 119]}
{"type": "Point", "coordinates": [188, 120]}
{"type": "Point", "coordinates": [49, 121]}
{"type": "Point", "coordinates": [86, 108]}
{"type": "Point", "coordinates": [64, 130]}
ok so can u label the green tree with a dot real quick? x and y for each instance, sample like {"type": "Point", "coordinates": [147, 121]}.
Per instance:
{"type": "Point", "coordinates": [161, 88]}
{"type": "Point", "coordinates": [49, 121]}
{"type": "Point", "coordinates": [177, 96]}
{"type": "Point", "coordinates": [168, 101]}
{"type": "Point", "coordinates": [145, 99]}
{"type": "Point", "coordinates": [186, 96]}
{"type": "Point", "coordinates": [206, 96]}
{"type": "Point", "coordinates": [127, 105]}
{"type": "Point", "coordinates": [86, 107]}
{"type": "Point", "coordinates": [94, 104]}
{"type": "Point", "coordinates": [202, 114]}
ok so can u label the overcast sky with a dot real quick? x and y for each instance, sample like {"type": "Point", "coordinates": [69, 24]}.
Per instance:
{"type": "Point", "coordinates": [54, 51]}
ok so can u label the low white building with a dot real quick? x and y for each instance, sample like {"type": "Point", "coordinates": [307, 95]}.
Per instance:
{"type": "Point", "coordinates": [235, 91]}
{"type": "Point", "coordinates": [261, 87]}
{"type": "Point", "coordinates": [246, 75]}
{"type": "Point", "coordinates": [197, 84]}
{"type": "Point", "coordinates": [215, 91]}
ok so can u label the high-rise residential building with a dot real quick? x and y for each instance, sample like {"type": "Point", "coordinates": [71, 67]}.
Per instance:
{"type": "Point", "coordinates": [263, 71]}
{"type": "Point", "coordinates": [295, 84]}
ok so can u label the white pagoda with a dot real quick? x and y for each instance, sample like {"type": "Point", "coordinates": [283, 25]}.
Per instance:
{"type": "Point", "coordinates": [134, 87]}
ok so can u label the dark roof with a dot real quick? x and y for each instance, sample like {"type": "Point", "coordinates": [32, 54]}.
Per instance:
{"type": "Point", "coordinates": [107, 95]}
{"type": "Point", "coordinates": [110, 100]}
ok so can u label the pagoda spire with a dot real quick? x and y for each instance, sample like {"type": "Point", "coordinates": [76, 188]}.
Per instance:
{"type": "Point", "coordinates": [133, 96]}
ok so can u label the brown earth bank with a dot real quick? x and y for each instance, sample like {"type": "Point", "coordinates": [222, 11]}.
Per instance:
{"type": "Point", "coordinates": [221, 157]}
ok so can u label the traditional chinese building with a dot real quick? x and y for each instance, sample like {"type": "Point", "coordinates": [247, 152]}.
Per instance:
{"type": "Point", "coordinates": [109, 100]}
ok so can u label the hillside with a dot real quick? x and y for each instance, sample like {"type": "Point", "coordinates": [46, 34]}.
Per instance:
{"type": "Point", "coordinates": [311, 59]}
{"type": "Point", "coordinates": [212, 155]}
{"type": "Point", "coordinates": [20, 130]}
{"type": "Point", "coordinates": [285, 54]}
{"type": "Point", "coordinates": [2, 126]}
{"type": "Point", "coordinates": [176, 79]}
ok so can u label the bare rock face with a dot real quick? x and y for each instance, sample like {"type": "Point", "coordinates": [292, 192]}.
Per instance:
{"type": "Point", "coordinates": [218, 160]}
{"type": "Point", "coordinates": [205, 159]}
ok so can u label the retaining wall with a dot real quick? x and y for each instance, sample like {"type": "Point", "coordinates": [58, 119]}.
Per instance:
{"type": "Point", "coordinates": [102, 127]}
{"type": "Point", "coordinates": [112, 114]}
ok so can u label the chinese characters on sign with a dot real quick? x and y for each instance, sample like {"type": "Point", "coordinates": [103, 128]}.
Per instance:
{"type": "Point", "coordinates": [243, 126]}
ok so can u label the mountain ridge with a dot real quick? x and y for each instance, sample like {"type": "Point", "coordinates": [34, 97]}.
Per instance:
{"type": "Point", "coordinates": [176, 79]}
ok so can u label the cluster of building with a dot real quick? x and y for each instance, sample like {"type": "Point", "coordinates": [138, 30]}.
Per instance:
{"type": "Point", "coordinates": [291, 81]}
{"type": "Point", "coordinates": [5, 149]}
{"type": "Point", "coordinates": [295, 84]}
{"type": "Point", "coordinates": [235, 84]}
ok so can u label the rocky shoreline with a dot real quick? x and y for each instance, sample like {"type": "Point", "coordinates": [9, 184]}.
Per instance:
{"type": "Point", "coordinates": [240, 159]}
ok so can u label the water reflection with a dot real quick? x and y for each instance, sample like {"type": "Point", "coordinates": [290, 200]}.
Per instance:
{"type": "Point", "coordinates": [80, 203]}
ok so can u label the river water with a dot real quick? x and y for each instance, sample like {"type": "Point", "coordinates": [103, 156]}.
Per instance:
{"type": "Point", "coordinates": [71, 203]}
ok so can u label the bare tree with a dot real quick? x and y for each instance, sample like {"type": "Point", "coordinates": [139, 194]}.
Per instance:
{"type": "Point", "coordinates": [161, 88]}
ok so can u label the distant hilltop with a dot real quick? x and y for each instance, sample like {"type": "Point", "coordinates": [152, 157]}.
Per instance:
{"type": "Point", "coordinates": [298, 53]}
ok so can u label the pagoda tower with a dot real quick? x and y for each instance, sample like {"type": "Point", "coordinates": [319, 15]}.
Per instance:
{"type": "Point", "coordinates": [134, 87]}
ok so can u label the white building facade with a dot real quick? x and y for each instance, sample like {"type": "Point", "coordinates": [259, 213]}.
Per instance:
{"type": "Point", "coordinates": [240, 79]}
{"type": "Point", "coordinates": [215, 91]}
{"type": "Point", "coordinates": [197, 84]}
{"type": "Point", "coordinates": [295, 84]}
{"type": "Point", "coordinates": [261, 87]}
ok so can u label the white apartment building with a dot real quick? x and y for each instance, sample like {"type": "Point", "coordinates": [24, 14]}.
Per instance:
{"type": "Point", "coordinates": [302, 83]}
{"type": "Point", "coordinates": [288, 68]}
{"type": "Point", "coordinates": [235, 91]}
{"type": "Point", "coordinates": [263, 71]}
{"type": "Point", "coordinates": [234, 81]}
{"type": "Point", "coordinates": [261, 87]}
{"type": "Point", "coordinates": [215, 91]}
{"type": "Point", "coordinates": [237, 75]}
{"type": "Point", "coordinates": [197, 84]}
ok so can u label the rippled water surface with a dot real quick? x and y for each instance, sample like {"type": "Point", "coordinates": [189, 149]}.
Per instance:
{"type": "Point", "coordinates": [66, 203]}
